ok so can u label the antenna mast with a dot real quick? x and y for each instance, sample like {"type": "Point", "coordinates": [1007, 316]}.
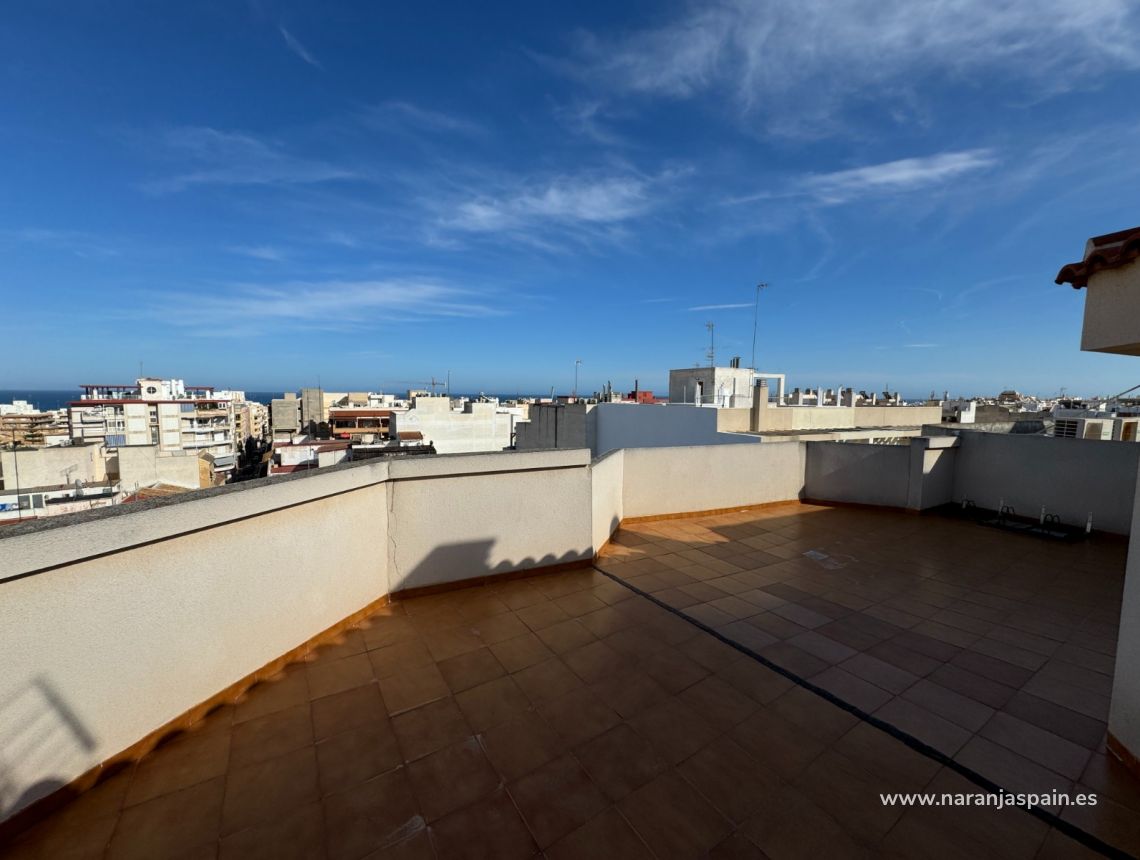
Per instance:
{"type": "Point", "coordinates": [755, 318]}
{"type": "Point", "coordinates": [711, 354]}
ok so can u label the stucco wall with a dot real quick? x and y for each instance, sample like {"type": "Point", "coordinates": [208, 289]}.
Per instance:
{"type": "Point", "coordinates": [1112, 311]}
{"type": "Point", "coordinates": [142, 465]}
{"type": "Point", "coordinates": [866, 474]}
{"type": "Point", "coordinates": [1124, 713]}
{"type": "Point", "coordinates": [630, 425]}
{"type": "Point", "coordinates": [607, 475]}
{"type": "Point", "coordinates": [52, 466]}
{"type": "Point", "coordinates": [734, 420]}
{"type": "Point", "coordinates": [453, 518]}
{"type": "Point", "coordinates": [132, 620]}
{"type": "Point", "coordinates": [896, 416]}
{"type": "Point", "coordinates": [1071, 477]}
{"type": "Point", "coordinates": [660, 481]}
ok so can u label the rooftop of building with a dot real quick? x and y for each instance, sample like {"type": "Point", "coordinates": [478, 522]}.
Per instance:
{"type": "Point", "coordinates": [722, 685]}
{"type": "Point", "coordinates": [1110, 251]}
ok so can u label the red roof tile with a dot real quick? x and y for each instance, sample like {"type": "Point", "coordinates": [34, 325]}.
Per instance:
{"type": "Point", "coordinates": [1110, 251]}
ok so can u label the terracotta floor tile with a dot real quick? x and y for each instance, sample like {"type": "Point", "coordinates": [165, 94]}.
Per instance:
{"type": "Point", "coordinates": [470, 669]}
{"type": "Point", "coordinates": [184, 761]}
{"type": "Point", "coordinates": [579, 603]}
{"type": "Point", "coordinates": [777, 744]}
{"type": "Point", "coordinates": [380, 632]}
{"type": "Point", "coordinates": [1037, 744]}
{"type": "Point", "coordinates": [541, 615]}
{"type": "Point", "coordinates": [972, 686]}
{"type": "Point", "coordinates": [451, 642]}
{"type": "Point", "coordinates": [711, 653]}
{"type": "Point", "coordinates": [578, 716]}
{"type": "Point", "coordinates": [791, 825]}
{"type": "Point", "coordinates": [556, 799]}
{"type": "Point", "coordinates": [755, 680]}
{"type": "Point", "coordinates": [620, 761]}
{"type": "Point", "coordinates": [547, 680]}
{"type": "Point", "coordinates": [794, 659]}
{"type": "Point", "coordinates": [748, 635]}
{"type": "Point", "coordinates": [709, 615]}
{"type": "Point", "coordinates": [336, 676]}
{"type": "Point", "coordinates": [565, 636]}
{"type": "Point", "coordinates": [670, 668]}
{"type": "Point", "coordinates": [675, 729]}
{"type": "Point", "coordinates": [885, 756]}
{"type": "Point", "coordinates": [269, 789]}
{"type": "Point", "coordinates": [718, 702]}
{"type": "Point", "coordinates": [400, 657]}
{"type": "Point", "coordinates": [1078, 728]}
{"type": "Point", "coordinates": [301, 835]}
{"type": "Point", "coordinates": [1109, 777]}
{"type": "Point", "coordinates": [596, 661]}
{"type": "Point", "coordinates": [629, 693]}
{"type": "Point", "coordinates": [1110, 821]}
{"type": "Point", "coordinates": [481, 606]}
{"type": "Point", "coordinates": [170, 824]}
{"type": "Point", "coordinates": [729, 778]}
{"type": "Point", "coordinates": [491, 829]}
{"type": "Point", "coordinates": [673, 819]}
{"type": "Point", "coordinates": [518, 746]}
{"type": "Point", "coordinates": [430, 727]}
{"type": "Point", "coordinates": [452, 778]}
{"type": "Point", "coordinates": [862, 694]}
{"type": "Point", "coordinates": [927, 726]}
{"type": "Point", "coordinates": [737, 847]}
{"type": "Point", "coordinates": [362, 706]}
{"type": "Point", "coordinates": [282, 691]}
{"type": "Point", "coordinates": [958, 709]}
{"type": "Point", "coordinates": [52, 839]}
{"type": "Point", "coordinates": [492, 703]}
{"type": "Point", "coordinates": [499, 628]}
{"type": "Point", "coordinates": [605, 835]}
{"type": "Point", "coordinates": [879, 672]}
{"type": "Point", "coordinates": [813, 714]}
{"type": "Point", "coordinates": [352, 757]}
{"type": "Point", "coordinates": [850, 794]}
{"type": "Point", "coordinates": [272, 735]}
{"type": "Point", "coordinates": [1011, 771]}
{"type": "Point", "coordinates": [413, 688]}
{"type": "Point", "coordinates": [380, 812]}
{"type": "Point", "coordinates": [521, 652]}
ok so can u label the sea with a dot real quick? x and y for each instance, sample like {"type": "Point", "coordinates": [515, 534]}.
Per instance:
{"type": "Point", "coordinates": [46, 400]}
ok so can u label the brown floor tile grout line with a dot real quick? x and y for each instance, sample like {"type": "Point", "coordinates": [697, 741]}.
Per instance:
{"type": "Point", "coordinates": [1069, 829]}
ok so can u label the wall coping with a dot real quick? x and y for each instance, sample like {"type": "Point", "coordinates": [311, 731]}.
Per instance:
{"type": "Point", "coordinates": [53, 542]}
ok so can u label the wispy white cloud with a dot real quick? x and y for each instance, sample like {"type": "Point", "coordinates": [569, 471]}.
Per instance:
{"type": "Point", "coordinates": [259, 252]}
{"type": "Point", "coordinates": [721, 307]}
{"type": "Point", "coordinates": [350, 305]}
{"type": "Point", "coordinates": [401, 115]}
{"type": "Point", "coordinates": [903, 175]}
{"type": "Point", "coordinates": [297, 48]}
{"type": "Point", "coordinates": [542, 210]}
{"type": "Point", "coordinates": [234, 158]}
{"type": "Point", "coordinates": [803, 61]}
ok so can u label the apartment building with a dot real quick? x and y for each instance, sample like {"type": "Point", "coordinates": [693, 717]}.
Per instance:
{"type": "Point", "coordinates": [162, 412]}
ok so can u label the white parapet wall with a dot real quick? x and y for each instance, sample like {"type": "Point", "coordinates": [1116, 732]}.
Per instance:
{"type": "Point", "coordinates": [113, 623]}
{"type": "Point", "coordinates": [659, 481]}
{"type": "Point", "coordinates": [865, 474]}
{"type": "Point", "coordinates": [1070, 477]}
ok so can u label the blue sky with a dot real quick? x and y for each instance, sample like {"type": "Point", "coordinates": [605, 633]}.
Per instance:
{"type": "Point", "coordinates": [260, 194]}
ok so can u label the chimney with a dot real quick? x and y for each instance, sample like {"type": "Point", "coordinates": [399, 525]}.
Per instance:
{"type": "Point", "coordinates": [756, 421]}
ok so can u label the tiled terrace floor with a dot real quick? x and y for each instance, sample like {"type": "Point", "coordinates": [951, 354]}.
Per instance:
{"type": "Point", "coordinates": [564, 715]}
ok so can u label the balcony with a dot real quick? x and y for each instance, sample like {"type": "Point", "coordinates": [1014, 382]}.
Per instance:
{"type": "Point", "coordinates": [742, 681]}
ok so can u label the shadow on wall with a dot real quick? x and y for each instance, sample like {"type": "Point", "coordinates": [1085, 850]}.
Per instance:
{"type": "Point", "coordinates": [46, 741]}
{"type": "Point", "coordinates": [455, 562]}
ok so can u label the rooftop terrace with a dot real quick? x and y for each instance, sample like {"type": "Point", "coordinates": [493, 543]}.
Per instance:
{"type": "Point", "coordinates": [626, 709]}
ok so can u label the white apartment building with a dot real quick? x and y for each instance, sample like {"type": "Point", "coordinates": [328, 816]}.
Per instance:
{"type": "Point", "coordinates": [162, 412]}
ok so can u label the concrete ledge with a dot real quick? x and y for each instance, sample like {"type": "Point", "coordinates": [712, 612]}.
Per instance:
{"type": "Point", "coordinates": [34, 550]}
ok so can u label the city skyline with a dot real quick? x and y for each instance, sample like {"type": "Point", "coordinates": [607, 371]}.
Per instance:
{"type": "Point", "coordinates": [258, 196]}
